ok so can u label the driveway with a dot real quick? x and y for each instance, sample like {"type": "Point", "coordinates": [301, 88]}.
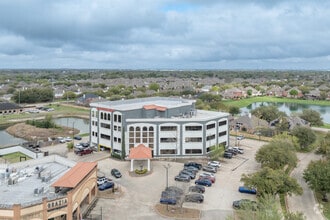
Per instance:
{"type": "Point", "coordinates": [305, 203]}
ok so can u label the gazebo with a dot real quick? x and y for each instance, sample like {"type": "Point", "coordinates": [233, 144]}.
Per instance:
{"type": "Point", "coordinates": [140, 152]}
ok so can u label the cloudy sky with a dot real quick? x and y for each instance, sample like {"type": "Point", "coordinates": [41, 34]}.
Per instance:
{"type": "Point", "coordinates": [165, 34]}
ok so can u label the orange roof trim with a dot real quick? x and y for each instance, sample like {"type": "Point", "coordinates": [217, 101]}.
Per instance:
{"type": "Point", "coordinates": [75, 175]}
{"type": "Point", "coordinates": [140, 152]}
{"type": "Point", "coordinates": [154, 107]}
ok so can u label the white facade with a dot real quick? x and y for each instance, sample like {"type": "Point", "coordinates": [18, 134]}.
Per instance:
{"type": "Point", "coordinates": [169, 126]}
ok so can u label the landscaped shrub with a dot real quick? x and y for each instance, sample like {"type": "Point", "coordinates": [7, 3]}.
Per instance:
{"type": "Point", "coordinates": [116, 156]}
{"type": "Point", "coordinates": [140, 172]}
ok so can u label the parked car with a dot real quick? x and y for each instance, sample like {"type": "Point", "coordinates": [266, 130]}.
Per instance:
{"type": "Point", "coordinates": [244, 189]}
{"type": "Point", "coordinates": [231, 150]}
{"type": "Point", "coordinates": [168, 201]}
{"type": "Point", "coordinates": [214, 164]}
{"type": "Point", "coordinates": [212, 179]}
{"type": "Point", "coordinates": [68, 139]}
{"type": "Point", "coordinates": [207, 174]}
{"type": "Point", "coordinates": [116, 173]}
{"type": "Point", "coordinates": [239, 150]}
{"type": "Point", "coordinates": [85, 151]}
{"type": "Point", "coordinates": [197, 188]}
{"type": "Point", "coordinates": [227, 155]}
{"type": "Point", "coordinates": [193, 164]}
{"type": "Point", "coordinates": [106, 185]}
{"type": "Point", "coordinates": [195, 197]}
{"type": "Point", "coordinates": [240, 137]}
{"type": "Point", "coordinates": [188, 173]}
{"type": "Point", "coordinates": [182, 178]}
{"type": "Point", "coordinates": [77, 137]}
{"type": "Point", "coordinates": [101, 180]}
{"type": "Point", "coordinates": [245, 204]}
{"type": "Point", "coordinates": [210, 169]}
{"type": "Point", "coordinates": [203, 182]}
{"type": "Point", "coordinates": [191, 169]}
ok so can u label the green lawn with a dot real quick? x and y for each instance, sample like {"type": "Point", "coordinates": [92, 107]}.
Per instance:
{"type": "Point", "coordinates": [325, 205]}
{"type": "Point", "coordinates": [59, 110]}
{"type": "Point", "coordinates": [14, 157]}
{"type": "Point", "coordinates": [245, 102]}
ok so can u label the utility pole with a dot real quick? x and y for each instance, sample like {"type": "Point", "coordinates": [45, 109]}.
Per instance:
{"type": "Point", "coordinates": [168, 166]}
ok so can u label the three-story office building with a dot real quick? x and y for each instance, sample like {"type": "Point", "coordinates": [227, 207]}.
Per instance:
{"type": "Point", "coordinates": [168, 126]}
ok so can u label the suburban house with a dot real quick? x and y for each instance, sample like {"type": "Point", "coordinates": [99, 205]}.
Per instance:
{"type": "Point", "coordinates": [293, 121]}
{"type": "Point", "coordinates": [86, 99]}
{"type": "Point", "coordinates": [248, 123]}
{"type": "Point", "coordinates": [233, 93]}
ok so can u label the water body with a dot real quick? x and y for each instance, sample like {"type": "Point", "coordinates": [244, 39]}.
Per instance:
{"type": "Point", "coordinates": [290, 108]}
{"type": "Point", "coordinates": [78, 123]}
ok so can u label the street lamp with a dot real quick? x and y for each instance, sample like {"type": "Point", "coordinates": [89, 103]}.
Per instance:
{"type": "Point", "coordinates": [167, 167]}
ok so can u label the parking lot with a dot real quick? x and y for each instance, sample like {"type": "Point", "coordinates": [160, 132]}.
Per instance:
{"type": "Point", "coordinates": [141, 194]}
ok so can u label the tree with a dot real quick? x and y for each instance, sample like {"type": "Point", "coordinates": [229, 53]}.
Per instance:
{"type": "Point", "coordinates": [312, 117]}
{"type": "Point", "coordinates": [34, 95]}
{"type": "Point", "coordinates": [324, 146]}
{"type": "Point", "coordinates": [276, 155]}
{"type": "Point", "coordinates": [317, 176]}
{"type": "Point", "coordinates": [154, 86]}
{"type": "Point", "coordinates": [305, 136]}
{"type": "Point", "coordinates": [268, 113]}
{"type": "Point", "coordinates": [272, 182]}
{"type": "Point", "coordinates": [69, 95]}
{"type": "Point", "coordinates": [216, 152]}
{"type": "Point", "coordinates": [293, 92]}
{"type": "Point", "coordinates": [249, 92]}
{"type": "Point", "coordinates": [234, 110]}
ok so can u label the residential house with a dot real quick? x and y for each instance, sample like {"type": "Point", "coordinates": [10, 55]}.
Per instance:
{"type": "Point", "coordinates": [248, 123]}
{"type": "Point", "coordinates": [9, 108]}
{"type": "Point", "coordinates": [233, 93]}
{"type": "Point", "coordinates": [254, 92]}
{"type": "Point", "coordinates": [86, 99]}
{"type": "Point", "coordinates": [299, 95]}
{"type": "Point", "coordinates": [293, 121]}
{"type": "Point", "coordinates": [314, 94]}
{"type": "Point", "coordinates": [276, 91]}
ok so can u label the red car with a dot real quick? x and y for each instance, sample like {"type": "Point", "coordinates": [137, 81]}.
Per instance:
{"type": "Point", "coordinates": [85, 151]}
{"type": "Point", "coordinates": [212, 179]}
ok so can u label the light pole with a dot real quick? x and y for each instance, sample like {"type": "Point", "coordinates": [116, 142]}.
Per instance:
{"type": "Point", "coordinates": [168, 166]}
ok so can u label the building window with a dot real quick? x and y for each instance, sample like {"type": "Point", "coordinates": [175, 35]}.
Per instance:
{"type": "Point", "coordinates": [93, 114]}
{"type": "Point", "coordinates": [108, 116]}
{"type": "Point", "coordinates": [193, 128]}
{"type": "Point", "coordinates": [210, 137]}
{"type": "Point", "coordinates": [168, 140]}
{"type": "Point", "coordinates": [101, 115]}
{"type": "Point", "coordinates": [119, 118]}
{"type": "Point", "coordinates": [105, 125]}
{"type": "Point", "coordinates": [168, 128]}
{"type": "Point", "coordinates": [193, 139]}
{"type": "Point", "coordinates": [193, 151]}
{"type": "Point", "coordinates": [168, 151]}
{"type": "Point", "coordinates": [115, 127]}
{"type": "Point", "coordinates": [119, 128]}
{"type": "Point", "coordinates": [222, 133]}
{"type": "Point", "coordinates": [104, 136]}
{"type": "Point", "coordinates": [115, 139]}
{"type": "Point", "coordinates": [210, 126]}
{"type": "Point", "coordinates": [222, 123]}
{"type": "Point", "coordinates": [119, 140]}
{"type": "Point", "coordinates": [115, 118]}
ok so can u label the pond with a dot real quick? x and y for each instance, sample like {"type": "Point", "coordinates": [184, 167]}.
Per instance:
{"type": "Point", "coordinates": [78, 123]}
{"type": "Point", "coordinates": [290, 108]}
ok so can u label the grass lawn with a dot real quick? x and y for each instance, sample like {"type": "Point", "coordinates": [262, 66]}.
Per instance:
{"type": "Point", "coordinates": [59, 110]}
{"type": "Point", "coordinates": [14, 157]}
{"type": "Point", "coordinates": [245, 102]}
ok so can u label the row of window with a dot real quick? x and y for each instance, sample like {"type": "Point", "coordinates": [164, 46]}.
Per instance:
{"type": "Point", "coordinates": [107, 116]}
{"type": "Point", "coordinates": [187, 151]}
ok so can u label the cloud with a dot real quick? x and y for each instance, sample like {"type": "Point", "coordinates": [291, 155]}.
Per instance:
{"type": "Point", "coordinates": [164, 34]}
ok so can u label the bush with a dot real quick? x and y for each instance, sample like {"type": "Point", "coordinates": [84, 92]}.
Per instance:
{"type": "Point", "coordinates": [140, 172]}
{"type": "Point", "coordinates": [116, 156]}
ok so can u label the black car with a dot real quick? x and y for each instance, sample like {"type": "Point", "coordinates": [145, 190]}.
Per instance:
{"type": "Point", "coordinates": [193, 164]}
{"type": "Point", "coordinates": [196, 197]}
{"type": "Point", "coordinates": [77, 137]}
{"type": "Point", "coordinates": [168, 201]}
{"type": "Point", "coordinates": [115, 173]}
{"type": "Point", "coordinates": [191, 169]}
{"type": "Point", "coordinates": [182, 178]}
{"type": "Point", "coordinates": [197, 188]}
{"type": "Point", "coordinates": [203, 182]}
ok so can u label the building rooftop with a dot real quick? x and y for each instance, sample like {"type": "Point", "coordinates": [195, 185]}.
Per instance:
{"type": "Point", "coordinates": [28, 184]}
{"type": "Point", "coordinates": [129, 104]}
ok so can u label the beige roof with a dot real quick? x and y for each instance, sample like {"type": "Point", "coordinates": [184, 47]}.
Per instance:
{"type": "Point", "coordinates": [75, 175]}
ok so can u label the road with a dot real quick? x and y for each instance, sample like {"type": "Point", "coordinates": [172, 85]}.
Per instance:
{"type": "Point", "coordinates": [305, 203]}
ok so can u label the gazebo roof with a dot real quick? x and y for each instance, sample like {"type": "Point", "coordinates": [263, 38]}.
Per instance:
{"type": "Point", "coordinates": [140, 152]}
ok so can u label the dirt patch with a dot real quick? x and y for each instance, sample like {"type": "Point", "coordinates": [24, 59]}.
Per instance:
{"type": "Point", "coordinates": [31, 133]}
{"type": "Point", "coordinates": [177, 212]}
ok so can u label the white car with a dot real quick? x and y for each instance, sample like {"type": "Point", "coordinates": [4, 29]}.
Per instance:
{"type": "Point", "coordinates": [239, 150]}
{"type": "Point", "coordinates": [207, 174]}
{"type": "Point", "coordinates": [214, 164]}
{"type": "Point", "coordinates": [68, 139]}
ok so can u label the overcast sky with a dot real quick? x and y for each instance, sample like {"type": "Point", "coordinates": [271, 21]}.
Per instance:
{"type": "Point", "coordinates": [165, 34]}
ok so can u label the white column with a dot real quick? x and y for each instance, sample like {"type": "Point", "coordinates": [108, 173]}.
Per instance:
{"type": "Point", "coordinates": [132, 162]}
{"type": "Point", "coordinates": [148, 164]}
